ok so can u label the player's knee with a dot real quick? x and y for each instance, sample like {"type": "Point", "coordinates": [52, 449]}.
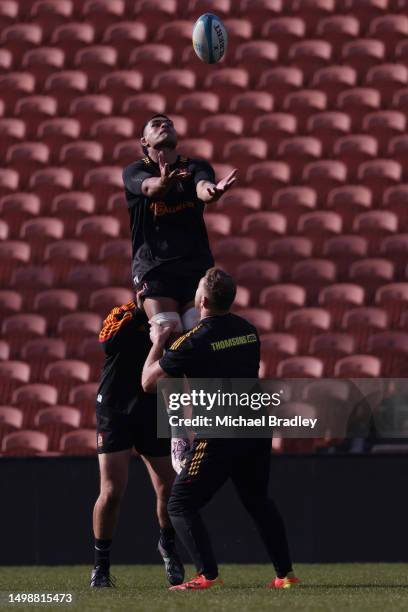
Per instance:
{"type": "Point", "coordinates": [190, 318]}
{"type": "Point", "coordinates": [112, 493]}
{"type": "Point", "coordinates": [168, 319]}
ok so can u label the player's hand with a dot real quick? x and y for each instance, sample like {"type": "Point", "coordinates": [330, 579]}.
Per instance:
{"type": "Point", "coordinates": [159, 334]}
{"type": "Point", "coordinates": [166, 176]}
{"type": "Point", "coordinates": [222, 186]}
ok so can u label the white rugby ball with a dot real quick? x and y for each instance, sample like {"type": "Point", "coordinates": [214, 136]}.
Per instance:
{"type": "Point", "coordinates": [209, 38]}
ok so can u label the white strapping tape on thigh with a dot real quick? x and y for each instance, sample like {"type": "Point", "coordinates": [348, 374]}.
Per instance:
{"type": "Point", "coordinates": [190, 318]}
{"type": "Point", "coordinates": [166, 319]}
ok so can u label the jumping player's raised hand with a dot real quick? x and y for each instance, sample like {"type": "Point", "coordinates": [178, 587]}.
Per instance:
{"type": "Point", "coordinates": [216, 191]}
{"type": "Point", "coordinates": [166, 176]}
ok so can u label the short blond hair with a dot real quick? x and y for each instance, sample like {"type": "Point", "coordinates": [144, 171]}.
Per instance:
{"type": "Point", "coordinates": [221, 289]}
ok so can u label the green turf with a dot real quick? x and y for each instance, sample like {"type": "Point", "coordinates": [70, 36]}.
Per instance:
{"type": "Point", "coordinates": [143, 589]}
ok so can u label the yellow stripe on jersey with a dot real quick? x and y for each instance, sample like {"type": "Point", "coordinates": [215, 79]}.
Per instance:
{"type": "Point", "coordinates": [180, 340]}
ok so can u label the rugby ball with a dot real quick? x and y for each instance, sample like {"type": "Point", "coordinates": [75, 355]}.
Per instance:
{"type": "Point", "coordinates": [209, 38]}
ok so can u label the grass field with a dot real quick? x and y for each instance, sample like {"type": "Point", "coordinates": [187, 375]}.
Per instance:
{"type": "Point", "coordinates": [143, 589]}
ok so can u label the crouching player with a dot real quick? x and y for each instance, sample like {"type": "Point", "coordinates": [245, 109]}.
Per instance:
{"type": "Point", "coordinates": [126, 419]}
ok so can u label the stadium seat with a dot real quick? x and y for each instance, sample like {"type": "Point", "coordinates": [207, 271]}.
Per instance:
{"type": "Point", "coordinates": [9, 181]}
{"type": "Point", "coordinates": [338, 30]}
{"type": "Point", "coordinates": [260, 318]}
{"type": "Point", "coordinates": [288, 250]}
{"type": "Point", "coordinates": [124, 154]}
{"type": "Point", "coordinates": [110, 131]}
{"type": "Point", "coordinates": [297, 152]}
{"type": "Point", "coordinates": [63, 256]}
{"type": "Point", "coordinates": [87, 278]}
{"type": "Point", "coordinates": [280, 82]}
{"type": "Point", "coordinates": [242, 298]}
{"type": "Point", "coordinates": [142, 106]}
{"type": "Point", "coordinates": [230, 252]}
{"type": "Point", "coordinates": [304, 323]}
{"type": "Point", "coordinates": [383, 126]}
{"type": "Point", "coordinates": [42, 62]}
{"type": "Point", "coordinates": [227, 82]}
{"type": "Point", "coordinates": [362, 322]}
{"type": "Point", "coordinates": [304, 103]}
{"type": "Point", "coordinates": [312, 11]}
{"type": "Point", "coordinates": [84, 397]}
{"type": "Point", "coordinates": [172, 84]}
{"type": "Point", "coordinates": [196, 147]}
{"type": "Point", "coordinates": [324, 175]}
{"type": "Point", "coordinates": [358, 366]}
{"type": "Point", "coordinates": [39, 232]}
{"type": "Point", "coordinates": [393, 298]}
{"type": "Point", "coordinates": [55, 422]}
{"type": "Point", "coordinates": [353, 150]}
{"type": "Point", "coordinates": [4, 230]}
{"type": "Point", "coordinates": [49, 15]}
{"type": "Point", "coordinates": [31, 279]}
{"type": "Point", "coordinates": [333, 80]}
{"type": "Point", "coordinates": [310, 55]}
{"type": "Point", "coordinates": [12, 131]}
{"type": "Point", "coordinates": [90, 350]}
{"type": "Point", "coordinates": [274, 348]}
{"type": "Point", "coordinates": [65, 86]}
{"type": "Point", "coordinates": [14, 254]}
{"type": "Point", "coordinates": [35, 109]}
{"type": "Point", "coordinates": [348, 201]}
{"type": "Point", "coordinates": [237, 203]}
{"type": "Point", "coordinates": [10, 303]}
{"type": "Point", "coordinates": [88, 109]}
{"type": "Point", "coordinates": [374, 226]}
{"type": "Point", "coordinates": [194, 106]}
{"type": "Point", "coordinates": [222, 8]}
{"type": "Point", "coordinates": [4, 349]}
{"type": "Point", "coordinates": [395, 199]}
{"type": "Point", "coordinates": [371, 273]}
{"type": "Point", "coordinates": [221, 128]}
{"type": "Point", "coordinates": [268, 176]}
{"type": "Point", "coordinates": [154, 13]}
{"type": "Point", "coordinates": [58, 132]}
{"type": "Point", "coordinates": [19, 38]}
{"type": "Point", "coordinates": [387, 78]}
{"type": "Point", "coordinates": [10, 420]}
{"type": "Point", "coordinates": [12, 375]}
{"type": "Point", "coordinates": [95, 61]}
{"type": "Point", "coordinates": [328, 127]}
{"type": "Point", "coordinates": [395, 248]}
{"type": "Point", "coordinates": [41, 352]}
{"type": "Point", "coordinates": [281, 299]}
{"type": "Point", "coordinates": [390, 29]}
{"type": "Point", "coordinates": [80, 157]}
{"type": "Point", "coordinates": [149, 59]}
{"type": "Point", "coordinates": [284, 31]}
{"type": "Point", "coordinates": [79, 442]}
{"type": "Point", "coordinates": [330, 347]}
{"type": "Point", "coordinates": [292, 202]}
{"type": "Point", "coordinates": [398, 150]}
{"type": "Point", "coordinates": [65, 374]}
{"type": "Point", "coordinates": [24, 443]}
{"type": "Point", "coordinates": [257, 274]}
{"type": "Point", "coordinates": [357, 102]}
{"type": "Point", "coordinates": [6, 61]}
{"type": "Point", "coordinates": [313, 274]}
{"type": "Point", "coordinates": [19, 328]}
{"type": "Point", "coordinates": [221, 170]}
{"type": "Point", "coordinates": [13, 86]}
{"type": "Point", "coordinates": [176, 33]}
{"type": "Point", "coordinates": [300, 367]}
{"type": "Point", "coordinates": [72, 328]}
{"type": "Point", "coordinates": [55, 303]}
{"type": "Point", "coordinates": [242, 152]}
{"type": "Point", "coordinates": [256, 56]}
{"type": "Point", "coordinates": [218, 225]}
{"type": "Point", "coordinates": [392, 348]}
{"type": "Point", "coordinates": [16, 208]}
{"type": "Point", "coordinates": [71, 37]}
{"type": "Point", "coordinates": [344, 250]}
{"type": "Point", "coordinates": [103, 300]}
{"type": "Point", "coordinates": [8, 13]}
{"type": "Point", "coordinates": [379, 174]}
{"type": "Point", "coordinates": [96, 230]}
{"type": "Point", "coordinates": [263, 227]}
{"type": "Point", "coordinates": [116, 205]}
{"type": "Point", "coordinates": [116, 257]}
{"type": "Point", "coordinates": [260, 10]}
{"type": "Point", "coordinates": [103, 181]}
{"type": "Point", "coordinates": [318, 226]}
{"type": "Point", "coordinates": [274, 127]}
{"type": "Point", "coordinates": [26, 158]}
{"type": "Point", "coordinates": [102, 13]}
{"type": "Point", "coordinates": [338, 298]}
{"type": "Point", "coordinates": [239, 31]}
{"type": "Point", "coordinates": [50, 182]}
{"type": "Point", "coordinates": [363, 54]}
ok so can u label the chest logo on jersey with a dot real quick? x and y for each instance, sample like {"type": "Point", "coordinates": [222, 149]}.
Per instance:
{"type": "Point", "coordinates": [160, 208]}
{"type": "Point", "coordinates": [237, 341]}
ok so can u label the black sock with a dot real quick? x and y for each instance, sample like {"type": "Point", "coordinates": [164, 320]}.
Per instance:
{"type": "Point", "coordinates": [167, 537]}
{"type": "Point", "coordinates": [102, 553]}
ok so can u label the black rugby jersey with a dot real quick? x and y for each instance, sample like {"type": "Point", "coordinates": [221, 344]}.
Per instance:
{"type": "Point", "coordinates": [171, 229]}
{"type": "Point", "coordinates": [225, 346]}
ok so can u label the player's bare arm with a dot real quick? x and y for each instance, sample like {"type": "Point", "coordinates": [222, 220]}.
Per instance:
{"type": "Point", "coordinates": [158, 186]}
{"type": "Point", "coordinates": [210, 192]}
{"type": "Point", "coordinates": [152, 371]}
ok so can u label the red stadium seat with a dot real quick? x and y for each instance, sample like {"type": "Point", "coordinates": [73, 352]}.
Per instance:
{"type": "Point", "coordinates": [313, 274]}
{"type": "Point", "coordinates": [227, 82]}
{"type": "Point", "coordinates": [284, 31]}
{"type": "Point", "coordinates": [9, 181]}
{"type": "Point", "coordinates": [362, 322]}
{"type": "Point", "coordinates": [87, 278]}
{"type": "Point", "coordinates": [274, 127]}
{"type": "Point", "coordinates": [263, 226]}
{"type": "Point", "coordinates": [398, 150]}
{"type": "Point", "coordinates": [390, 29]}
{"type": "Point", "coordinates": [221, 128]}
{"type": "Point", "coordinates": [50, 182]}
{"type": "Point", "coordinates": [49, 15]}
{"type": "Point", "coordinates": [256, 56]}
{"type": "Point", "coordinates": [387, 78]}
{"type": "Point", "coordinates": [19, 38]}
{"type": "Point", "coordinates": [374, 226]}
{"type": "Point", "coordinates": [16, 208]}
{"type": "Point", "coordinates": [280, 82]}
{"type": "Point", "coordinates": [116, 205]}
{"type": "Point", "coordinates": [330, 347]}
{"type": "Point", "coordinates": [42, 62]}
{"type": "Point", "coordinates": [257, 274]}
{"type": "Point", "coordinates": [287, 251]}
{"type": "Point", "coordinates": [189, 60]}
{"type": "Point", "coordinates": [3, 229]}
{"type": "Point", "coordinates": [338, 30]}
{"type": "Point", "coordinates": [218, 225]}
{"type": "Point", "coordinates": [395, 248]}
{"type": "Point", "coordinates": [292, 202]}
{"type": "Point", "coordinates": [71, 37]}
{"type": "Point", "coordinates": [103, 300]}
{"type": "Point", "coordinates": [379, 174]}
{"type": "Point", "coordinates": [116, 257]}
{"type": "Point", "coordinates": [173, 83]}
{"type": "Point", "coordinates": [357, 103]}
{"type": "Point", "coordinates": [58, 132]}
{"type": "Point", "coordinates": [260, 10]}
{"type": "Point", "coordinates": [310, 55]}
{"type": "Point", "coordinates": [103, 181]}
{"type": "Point", "coordinates": [260, 318]}
{"type": "Point", "coordinates": [65, 86]}
{"type": "Point", "coordinates": [344, 250]}
{"type": "Point", "coordinates": [358, 366]}
{"type": "Point", "coordinates": [96, 230]}
{"type": "Point", "coordinates": [297, 152]}
{"type": "Point", "coordinates": [102, 13]}
{"type": "Point", "coordinates": [392, 348]}
{"type": "Point", "coordinates": [176, 33]}
{"type": "Point", "coordinates": [237, 203]}
{"type": "Point", "coordinates": [12, 375]}
{"type": "Point", "coordinates": [124, 154]}
{"type": "Point", "coordinates": [324, 175]}
{"type": "Point", "coordinates": [333, 80]}
{"type": "Point", "coordinates": [31, 279]}
{"type": "Point", "coordinates": [363, 54]}
{"type": "Point", "coordinates": [110, 131]}
{"type": "Point", "coordinates": [65, 374]}
{"type": "Point", "coordinates": [11, 132]}
{"type": "Point", "coordinates": [230, 252]}
{"type": "Point", "coordinates": [142, 106]}
{"type": "Point", "coordinates": [10, 303]}
{"type": "Point", "coordinates": [84, 397]}
{"type": "Point", "coordinates": [304, 323]}
{"type": "Point", "coordinates": [312, 11]}
{"type": "Point", "coordinates": [328, 127]}
{"type": "Point", "coordinates": [39, 232]}
{"type": "Point", "coordinates": [268, 177]}
{"type": "Point", "coordinates": [348, 201]}
{"type": "Point", "coordinates": [149, 59]}
{"type": "Point", "coordinates": [24, 443]}
{"type": "Point", "coordinates": [194, 106]}
{"type": "Point", "coordinates": [95, 61]}
{"type": "Point", "coordinates": [154, 13]}
{"type": "Point", "coordinates": [6, 60]}
{"type": "Point", "coordinates": [22, 327]}
{"type": "Point", "coordinates": [274, 348]}
{"type": "Point", "coordinates": [90, 350]}
{"type": "Point", "coordinates": [80, 442]}
{"type": "Point", "coordinates": [318, 226]}
{"type": "Point", "coordinates": [393, 298]}
{"type": "Point", "coordinates": [55, 422]}
{"type": "Point", "coordinates": [371, 273]}
{"type": "Point", "coordinates": [8, 13]}
{"type": "Point", "coordinates": [338, 298]}
{"type": "Point", "coordinates": [241, 152]}
{"type": "Point", "coordinates": [88, 109]}
{"type": "Point", "coordinates": [304, 103]}
{"type": "Point", "coordinates": [10, 420]}
{"type": "Point", "coordinates": [13, 255]}
{"type": "Point", "coordinates": [395, 199]}
{"type": "Point", "coordinates": [280, 300]}
{"type": "Point", "coordinates": [35, 109]}
{"type": "Point", "coordinates": [41, 352]}
{"type": "Point", "coordinates": [353, 150]}
{"type": "Point", "coordinates": [4, 349]}
{"type": "Point", "coordinates": [239, 31]}
{"type": "Point", "coordinates": [80, 157]}
{"type": "Point", "coordinates": [384, 125]}
{"type": "Point", "coordinates": [196, 147]}
{"type": "Point", "coordinates": [13, 86]}
{"type": "Point", "coordinates": [63, 256]}
{"type": "Point", "coordinates": [300, 367]}
{"type": "Point", "coordinates": [26, 157]}
{"type": "Point", "coordinates": [55, 303]}
{"type": "Point", "coordinates": [222, 8]}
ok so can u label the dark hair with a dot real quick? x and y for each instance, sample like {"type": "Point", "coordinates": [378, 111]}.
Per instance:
{"type": "Point", "coordinates": [221, 289]}
{"type": "Point", "coordinates": [144, 148]}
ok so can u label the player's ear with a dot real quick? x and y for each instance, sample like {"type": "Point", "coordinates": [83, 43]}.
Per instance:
{"type": "Point", "coordinates": [143, 142]}
{"type": "Point", "coordinates": [204, 302]}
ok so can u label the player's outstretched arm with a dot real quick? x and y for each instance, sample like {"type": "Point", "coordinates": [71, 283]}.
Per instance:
{"type": "Point", "coordinates": [152, 370]}
{"type": "Point", "coordinates": [210, 192]}
{"type": "Point", "coordinates": [157, 186]}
